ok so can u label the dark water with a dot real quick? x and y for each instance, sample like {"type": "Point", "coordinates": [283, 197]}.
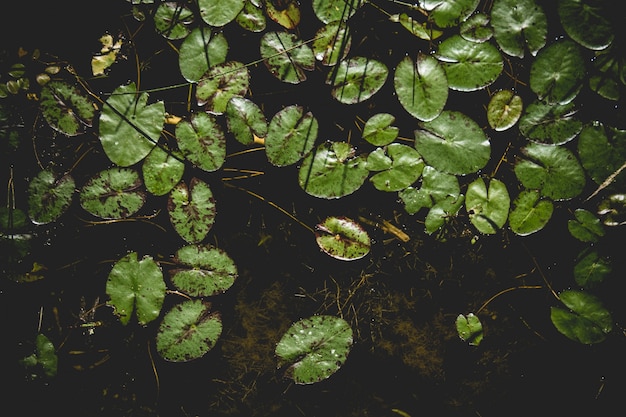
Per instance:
{"type": "Point", "coordinates": [401, 300]}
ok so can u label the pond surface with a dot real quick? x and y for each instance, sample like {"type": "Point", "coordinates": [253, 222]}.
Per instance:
{"type": "Point", "coordinates": [401, 300]}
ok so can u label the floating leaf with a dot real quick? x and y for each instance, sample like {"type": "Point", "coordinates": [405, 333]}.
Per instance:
{"type": "Point", "coordinates": [108, 55]}
{"type": "Point", "coordinates": [423, 30]}
{"type": "Point", "coordinates": [162, 170]}
{"type": "Point", "coordinates": [378, 130]}
{"type": "Point", "coordinates": [442, 211]}
{"type": "Point", "coordinates": [114, 193]}
{"type": "Point", "coordinates": [43, 359]}
{"type": "Point", "coordinates": [334, 10]}
{"type": "Point", "coordinates": [66, 109]}
{"type": "Point", "coordinates": [245, 120]}
{"type": "Point", "coordinates": [286, 57]}
{"type": "Point", "coordinates": [332, 171]}
{"type": "Point", "coordinates": [557, 73]}
{"type": "Point", "coordinates": [406, 167]}
{"type": "Point", "coordinates": [192, 210]}
{"type": "Point", "coordinates": [202, 141]}
{"type": "Point", "coordinates": [476, 28]}
{"type": "Point", "coordinates": [587, 22]}
{"type": "Point", "coordinates": [553, 170]}
{"type": "Point", "coordinates": [203, 270]}
{"type": "Point", "coordinates": [436, 186]}
{"type": "Point", "coordinates": [469, 328]}
{"type": "Point", "coordinates": [284, 12]}
{"type": "Point", "coordinates": [49, 196]}
{"type": "Point", "coordinates": [586, 227]}
{"type": "Point", "coordinates": [342, 238]}
{"type": "Point", "coordinates": [252, 17]}
{"type": "Point", "coordinates": [357, 79]}
{"type": "Point", "coordinates": [550, 123]}
{"type": "Point", "coordinates": [172, 20]}
{"type": "Point", "coordinates": [188, 331]}
{"type": "Point", "coordinates": [612, 209]}
{"type": "Point", "coordinates": [519, 25]}
{"type": "Point", "coordinates": [314, 348]}
{"type": "Point", "coordinates": [449, 13]}
{"type": "Point", "coordinates": [591, 269]}
{"type": "Point", "coordinates": [200, 51]}
{"type": "Point", "coordinates": [291, 135]}
{"type": "Point", "coordinates": [585, 321]}
{"type": "Point", "coordinates": [488, 209]}
{"type": "Point", "coordinates": [469, 65]}
{"type": "Point", "coordinates": [453, 143]}
{"type": "Point", "coordinates": [218, 13]}
{"type": "Point", "coordinates": [421, 86]}
{"type": "Point", "coordinates": [221, 83]}
{"type": "Point", "coordinates": [530, 213]}
{"type": "Point", "coordinates": [602, 151]}
{"type": "Point", "coordinates": [129, 128]}
{"type": "Point", "coordinates": [332, 43]}
{"type": "Point", "coordinates": [136, 285]}
{"type": "Point", "coordinates": [504, 110]}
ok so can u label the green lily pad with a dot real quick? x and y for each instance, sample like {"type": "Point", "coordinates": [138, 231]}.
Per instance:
{"type": "Point", "coordinates": [557, 73]}
{"type": "Point", "coordinates": [252, 17]}
{"type": "Point", "coordinates": [504, 110]}
{"type": "Point", "coordinates": [192, 210]}
{"type": "Point", "coordinates": [602, 151]}
{"type": "Point", "coordinates": [200, 51]}
{"type": "Point", "coordinates": [469, 66]}
{"type": "Point", "coordinates": [612, 210]}
{"type": "Point", "coordinates": [436, 186]}
{"type": "Point", "coordinates": [49, 196]}
{"type": "Point", "coordinates": [448, 13]}
{"type": "Point", "coordinates": [286, 56]}
{"type": "Point", "coordinates": [554, 124]}
{"type": "Point", "coordinates": [423, 30]}
{"type": "Point", "coordinates": [608, 72]}
{"type": "Point", "coordinates": [476, 28]}
{"type": "Point", "coordinates": [218, 13]}
{"type": "Point", "coordinates": [421, 86]}
{"type": "Point", "coordinates": [442, 211]}
{"type": "Point", "coordinates": [585, 321]}
{"type": "Point", "coordinates": [66, 109]}
{"type": "Point", "coordinates": [332, 171]}
{"type": "Point", "coordinates": [221, 83]}
{"type": "Point", "coordinates": [129, 127]}
{"type": "Point", "coordinates": [586, 226]}
{"type": "Point", "coordinates": [284, 12]}
{"type": "Point", "coordinates": [202, 141]}
{"type": "Point", "coordinates": [188, 331]}
{"type": "Point", "coordinates": [378, 130]}
{"type": "Point", "coordinates": [314, 348]}
{"type": "Point", "coordinates": [553, 170]}
{"type": "Point", "coordinates": [591, 269]}
{"type": "Point", "coordinates": [342, 238]}
{"type": "Point", "coordinates": [453, 143]}
{"type": "Point", "coordinates": [519, 25]}
{"type": "Point", "coordinates": [332, 43]}
{"type": "Point", "coordinates": [114, 193]}
{"type": "Point", "coordinates": [172, 20]}
{"type": "Point", "coordinates": [405, 168]}
{"type": "Point", "coordinates": [162, 171]}
{"type": "Point", "coordinates": [357, 79]}
{"type": "Point", "coordinates": [469, 328]}
{"type": "Point", "coordinates": [203, 270]}
{"type": "Point", "coordinates": [530, 213]}
{"type": "Point", "coordinates": [43, 359]}
{"type": "Point", "coordinates": [245, 120]}
{"type": "Point", "coordinates": [335, 10]}
{"type": "Point", "coordinates": [587, 22]}
{"type": "Point", "coordinates": [488, 208]}
{"type": "Point", "coordinates": [136, 285]}
{"type": "Point", "coordinates": [291, 135]}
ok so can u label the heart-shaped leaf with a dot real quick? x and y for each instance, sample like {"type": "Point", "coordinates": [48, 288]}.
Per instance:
{"type": "Point", "coordinates": [406, 167]}
{"type": "Point", "coordinates": [450, 12]}
{"type": "Point", "coordinates": [245, 120]}
{"type": "Point", "coordinates": [200, 51]}
{"type": "Point", "coordinates": [591, 269]}
{"type": "Point", "coordinates": [219, 13]}
{"type": "Point", "coordinates": [286, 57]}
{"type": "Point", "coordinates": [530, 213]}
{"type": "Point", "coordinates": [378, 130]}
{"type": "Point", "coordinates": [550, 123]}
{"type": "Point", "coordinates": [252, 17]}
{"type": "Point", "coordinates": [162, 170]}
{"type": "Point", "coordinates": [291, 135]}
{"type": "Point", "coordinates": [332, 43]}
{"type": "Point", "coordinates": [586, 320]}
{"type": "Point", "coordinates": [335, 10]}
{"type": "Point", "coordinates": [192, 210]}
{"type": "Point", "coordinates": [342, 238]}
{"type": "Point", "coordinates": [202, 141]}
{"type": "Point", "coordinates": [504, 110]}
{"type": "Point", "coordinates": [488, 209]}
{"type": "Point", "coordinates": [519, 25]}
{"type": "Point", "coordinates": [66, 109]}
{"type": "Point", "coordinates": [587, 22]}
{"type": "Point", "coordinates": [203, 270]}
{"type": "Point", "coordinates": [357, 79]}
{"type": "Point", "coordinates": [172, 20]}
{"type": "Point", "coordinates": [436, 186]}
{"type": "Point", "coordinates": [114, 193]}
{"type": "Point", "coordinates": [586, 226]}
{"type": "Point", "coordinates": [602, 151]}
{"type": "Point", "coordinates": [469, 328]}
{"type": "Point", "coordinates": [49, 196]}
{"type": "Point", "coordinates": [221, 83]}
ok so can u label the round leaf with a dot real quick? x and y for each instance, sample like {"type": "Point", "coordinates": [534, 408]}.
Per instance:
{"type": "Point", "coordinates": [586, 227]}
{"type": "Point", "coordinates": [333, 10]}
{"type": "Point", "coordinates": [245, 120]}
{"type": "Point", "coordinates": [530, 213]}
{"type": "Point", "coordinates": [66, 109]}
{"type": "Point", "coordinates": [449, 13]}
{"type": "Point", "coordinates": [188, 331]}
{"type": "Point", "coordinates": [469, 328]}
{"type": "Point", "coordinates": [252, 17]}
{"type": "Point", "coordinates": [284, 12]}
{"type": "Point", "coordinates": [435, 186]}
{"type": "Point", "coordinates": [286, 57]}
{"type": "Point", "coordinates": [192, 210]}
{"type": "Point", "coordinates": [378, 130]}
{"type": "Point", "coordinates": [162, 171]}
{"type": "Point", "coordinates": [518, 25]}
{"type": "Point", "coordinates": [218, 13]}
{"type": "Point", "coordinates": [602, 151]}
{"type": "Point", "coordinates": [202, 141]}
{"type": "Point", "coordinates": [332, 43]}
{"type": "Point", "coordinates": [504, 110]}
{"type": "Point", "coordinates": [221, 83]}
{"type": "Point", "coordinates": [342, 238]}
{"type": "Point", "coordinates": [406, 167]}
{"type": "Point", "coordinates": [488, 209]}
{"type": "Point", "coordinates": [172, 20]}
{"type": "Point", "coordinates": [291, 135]}
{"type": "Point", "coordinates": [200, 51]}
{"type": "Point", "coordinates": [591, 269]}
{"type": "Point", "coordinates": [587, 22]}
{"type": "Point", "coordinates": [314, 348]}
{"type": "Point", "coordinates": [114, 193]}
{"type": "Point", "coordinates": [357, 79]}
{"type": "Point", "coordinates": [550, 123]}
{"type": "Point", "coordinates": [49, 196]}
{"type": "Point", "coordinates": [586, 321]}
{"type": "Point", "coordinates": [203, 271]}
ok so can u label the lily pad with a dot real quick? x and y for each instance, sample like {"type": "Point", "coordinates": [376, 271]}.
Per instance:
{"type": "Point", "coordinates": [586, 226]}
{"type": "Point", "coordinates": [585, 320]}
{"type": "Point", "coordinates": [200, 51]}
{"type": "Point", "coordinates": [286, 56]}
{"type": "Point", "coordinates": [504, 110]}
{"type": "Point", "coordinates": [591, 269]}
{"type": "Point", "coordinates": [332, 171]}
{"type": "Point", "coordinates": [44, 359]}
{"type": "Point", "coordinates": [550, 123]}
{"type": "Point", "coordinates": [66, 109]}
{"type": "Point", "coordinates": [602, 151]}
{"type": "Point", "coordinates": [530, 213]}
{"type": "Point", "coordinates": [448, 13]}
{"type": "Point", "coordinates": [219, 13]}
{"type": "Point", "coordinates": [405, 168]}
{"type": "Point", "coordinates": [357, 79]}
{"type": "Point", "coordinates": [192, 210]}
{"type": "Point", "coordinates": [519, 26]}
{"type": "Point", "coordinates": [332, 43]}
{"type": "Point", "coordinates": [423, 30]}
{"type": "Point", "coordinates": [188, 331]}
{"type": "Point", "coordinates": [221, 83]}
{"type": "Point", "coordinates": [488, 208]}
{"type": "Point", "coordinates": [284, 12]}
{"type": "Point", "coordinates": [202, 141]}
{"type": "Point", "coordinates": [469, 328]}
{"type": "Point", "coordinates": [342, 238]}
{"type": "Point", "coordinates": [245, 120]}
{"type": "Point", "coordinates": [203, 270]}
{"type": "Point", "coordinates": [314, 348]}
{"type": "Point", "coordinates": [129, 127]}
{"type": "Point", "coordinates": [49, 196]}
{"type": "Point", "coordinates": [442, 211]}
{"type": "Point", "coordinates": [335, 10]}
{"type": "Point", "coordinates": [587, 22]}
{"type": "Point", "coordinates": [114, 193]}
{"type": "Point", "coordinates": [162, 171]}
{"type": "Point", "coordinates": [476, 28]}
{"type": "Point", "coordinates": [252, 17]}
{"type": "Point", "coordinates": [436, 186]}
{"type": "Point", "coordinates": [378, 130]}
{"type": "Point", "coordinates": [453, 143]}
{"type": "Point", "coordinates": [291, 135]}
{"type": "Point", "coordinates": [136, 285]}
{"type": "Point", "coordinates": [172, 20]}
{"type": "Point", "coordinates": [421, 86]}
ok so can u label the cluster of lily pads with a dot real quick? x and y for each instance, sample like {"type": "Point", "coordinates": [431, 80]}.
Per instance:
{"type": "Point", "coordinates": [461, 48]}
